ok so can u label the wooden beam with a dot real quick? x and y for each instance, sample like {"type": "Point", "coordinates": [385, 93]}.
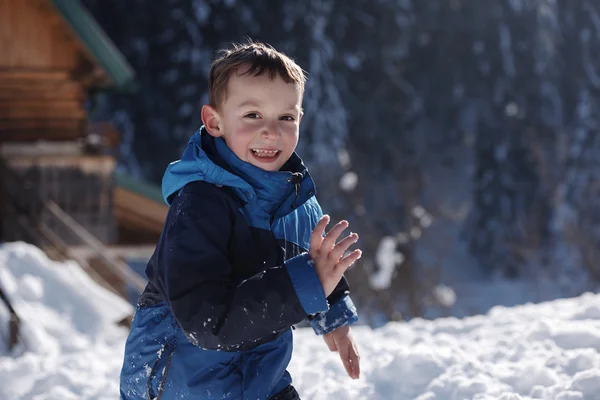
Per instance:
{"type": "Point", "coordinates": [9, 82]}
{"type": "Point", "coordinates": [137, 222]}
{"type": "Point", "coordinates": [61, 104]}
{"type": "Point", "coordinates": [70, 36]}
{"type": "Point", "coordinates": [32, 151]}
{"type": "Point", "coordinates": [56, 109]}
{"type": "Point", "coordinates": [34, 74]}
{"type": "Point", "coordinates": [83, 263]}
{"type": "Point", "coordinates": [38, 228]}
{"type": "Point", "coordinates": [41, 123]}
{"type": "Point", "coordinates": [32, 135]}
{"type": "Point", "coordinates": [96, 164]}
{"type": "Point", "coordinates": [46, 112]}
{"type": "Point", "coordinates": [129, 200]}
{"type": "Point", "coordinates": [138, 211]}
{"type": "Point", "coordinates": [42, 91]}
{"type": "Point", "coordinates": [116, 265]}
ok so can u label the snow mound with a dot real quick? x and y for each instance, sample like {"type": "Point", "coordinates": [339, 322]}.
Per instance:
{"type": "Point", "coordinates": [547, 351]}
{"type": "Point", "coordinates": [71, 345]}
{"type": "Point", "coordinates": [73, 349]}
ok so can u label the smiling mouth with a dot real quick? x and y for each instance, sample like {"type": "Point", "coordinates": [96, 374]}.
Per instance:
{"type": "Point", "coordinates": [262, 153]}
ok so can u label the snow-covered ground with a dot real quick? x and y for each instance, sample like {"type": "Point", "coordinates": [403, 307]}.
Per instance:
{"type": "Point", "coordinates": [73, 349]}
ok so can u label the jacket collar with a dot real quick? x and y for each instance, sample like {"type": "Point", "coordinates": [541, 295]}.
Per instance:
{"type": "Point", "coordinates": [209, 159]}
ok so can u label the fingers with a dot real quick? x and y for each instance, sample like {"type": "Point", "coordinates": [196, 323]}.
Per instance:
{"type": "Point", "coordinates": [347, 261]}
{"type": "Point", "coordinates": [348, 357]}
{"type": "Point", "coordinates": [333, 235]}
{"type": "Point", "coordinates": [316, 238]}
{"type": "Point", "coordinates": [354, 360]}
{"type": "Point", "coordinates": [325, 254]}
{"type": "Point", "coordinates": [342, 246]}
{"type": "Point", "coordinates": [330, 342]}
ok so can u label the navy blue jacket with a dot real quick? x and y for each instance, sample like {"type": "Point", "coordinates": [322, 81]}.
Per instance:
{"type": "Point", "coordinates": [230, 274]}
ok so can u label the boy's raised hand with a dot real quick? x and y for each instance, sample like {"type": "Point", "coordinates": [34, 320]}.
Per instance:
{"type": "Point", "coordinates": [328, 256]}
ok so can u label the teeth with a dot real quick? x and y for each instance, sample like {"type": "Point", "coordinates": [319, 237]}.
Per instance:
{"type": "Point", "coordinates": [260, 152]}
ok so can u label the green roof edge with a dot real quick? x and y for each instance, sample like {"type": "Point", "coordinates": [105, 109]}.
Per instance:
{"type": "Point", "coordinates": [98, 43]}
{"type": "Point", "coordinates": [138, 186]}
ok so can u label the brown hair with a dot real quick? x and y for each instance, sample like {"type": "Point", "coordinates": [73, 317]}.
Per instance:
{"type": "Point", "coordinates": [257, 58]}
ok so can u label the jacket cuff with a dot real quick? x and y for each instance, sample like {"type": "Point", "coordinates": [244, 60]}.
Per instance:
{"type": "Point", "coordinates": [306, 283]}
{"type": "Point", "coordinates": [342, 313]}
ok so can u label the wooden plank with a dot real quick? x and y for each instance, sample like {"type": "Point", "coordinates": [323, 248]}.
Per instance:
{"type": "Point", "coordinates": [62, 247]}
{"type": "Point", "coordinates": [133, 207]}
{"type": "Point", "coordinates": [121, 270]}
{"type": "Point", "coordinates": [37, 104]}
{"type": "Point", "coordinates": [49, 112]}
{"type": "Point", "coordinates": [24, 135]}
{"type": "Point", "coordinates": [60, 104]}
{"type": "Point", "coordinates": [7, 83]}
{"type": "Point", "coordinates": [67, 43]}
{"type": "Point", "coordinates": [34, 74]}
{"type": "Point", "coordinates": [115, 264]}
{"type": "Point", "coordinates": [103, 165]}
{"type": "Point", "coordinates": [49, 94]}
{"type": "Point", "coordinates": [41, 90]}
{"type": "Point", "coordinates": [150, 216]}
{"type": "Point", "coordinates": [137, 222]}
{"type": "Point", "coordinates": [37, 41]}
{"type": "Point", "coordinates": [127, 203]}
{"type": "Point", "coordinates": [41, 123]}
{"type": "Point", "coordinates": [6, 37]}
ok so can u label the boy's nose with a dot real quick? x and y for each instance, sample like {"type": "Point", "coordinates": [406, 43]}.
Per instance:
{"type": "Point", "coordinates": [270, 130]}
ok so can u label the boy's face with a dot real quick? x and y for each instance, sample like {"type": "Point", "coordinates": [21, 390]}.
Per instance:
{"type": "Point", "coordinates": [259, 120]}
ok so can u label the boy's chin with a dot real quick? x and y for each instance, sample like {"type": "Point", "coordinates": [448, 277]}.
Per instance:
{"type": "Point", "coordinates": [267, 167]}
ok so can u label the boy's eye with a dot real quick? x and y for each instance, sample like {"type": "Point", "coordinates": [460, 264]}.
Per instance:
{"type": "Point", "coordinates": [288, 118]}
{"type": "Point", "coordinates": [252, 115]}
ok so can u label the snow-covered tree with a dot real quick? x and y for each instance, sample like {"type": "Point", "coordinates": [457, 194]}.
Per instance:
{"type": "Point", "coordinates": [577, 217]}
{"type": "Point", "coordinates": [474, 114]}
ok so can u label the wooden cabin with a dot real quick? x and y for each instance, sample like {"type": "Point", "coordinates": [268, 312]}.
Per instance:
{"type": "Point", "coordinates": [58, 187]}
{"type": "Point", "coordinates": [52, 55]}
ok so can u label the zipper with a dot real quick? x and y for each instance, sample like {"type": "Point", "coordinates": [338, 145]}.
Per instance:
{"type": "Point", "coordinates": [296, 180]}
{"type": "Point", "coordinates": [169, 348]}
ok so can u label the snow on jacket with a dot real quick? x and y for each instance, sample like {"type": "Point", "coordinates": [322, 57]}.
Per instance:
{"type": "Point", "coordinates": [229, 278]}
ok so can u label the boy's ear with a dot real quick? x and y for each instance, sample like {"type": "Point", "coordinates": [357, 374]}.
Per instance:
{"type": "Point", "coordinates": [211, 120]}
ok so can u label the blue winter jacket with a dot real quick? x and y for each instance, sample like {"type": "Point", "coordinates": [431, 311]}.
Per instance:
{"type": "Point", "coordinates": [228, 279]}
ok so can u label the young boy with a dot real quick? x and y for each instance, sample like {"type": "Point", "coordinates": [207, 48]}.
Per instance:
{"type": "Point", "coordinates": [243, 255]}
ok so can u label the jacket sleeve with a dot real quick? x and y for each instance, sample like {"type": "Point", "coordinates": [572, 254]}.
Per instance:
{"type": "Point", "coordinates": [193, 275]}
{"type": "Point", "coordinates": [342, 311]}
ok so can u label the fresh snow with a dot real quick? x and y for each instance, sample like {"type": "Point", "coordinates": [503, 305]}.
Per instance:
{"type": "Point", "coordinates": [387, 259]}
{"type": "Point", "coordinates": [73, 349]}
{"type": "Point", "coordinates": [349, 181]}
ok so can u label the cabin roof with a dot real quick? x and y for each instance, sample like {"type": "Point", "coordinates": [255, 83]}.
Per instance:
{"type": "Point", "coordinates": [101, 48]}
